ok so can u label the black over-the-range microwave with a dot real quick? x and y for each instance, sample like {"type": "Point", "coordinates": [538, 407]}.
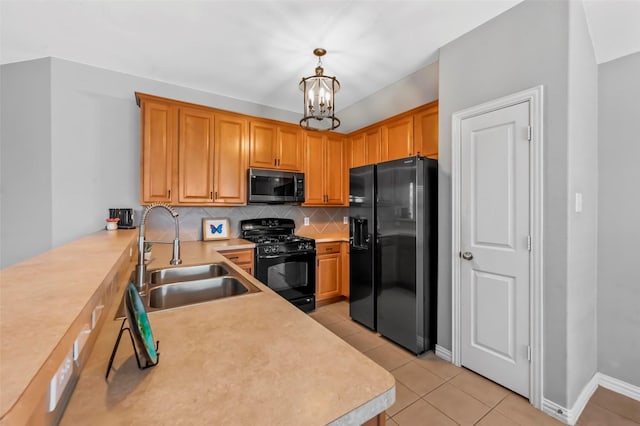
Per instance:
{"type": "Point", "coordinates": [275, 187]}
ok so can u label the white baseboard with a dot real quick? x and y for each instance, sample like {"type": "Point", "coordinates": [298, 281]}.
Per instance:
{"type": "Point", "coordinates": [556, 411]}
{"type": "Point", "coordinates": [616, 385]}
{"type": "Point", "coordinates": [571, 415]}
{"type": "Point", "coordinates": [443, 353]}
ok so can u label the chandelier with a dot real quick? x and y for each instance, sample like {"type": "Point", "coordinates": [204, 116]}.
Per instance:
{"type": "Point", "coordinates": [319, 98]}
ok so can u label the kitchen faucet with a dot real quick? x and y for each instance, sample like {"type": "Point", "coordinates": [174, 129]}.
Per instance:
{"type": "Point", "coordinates": [175, 260]}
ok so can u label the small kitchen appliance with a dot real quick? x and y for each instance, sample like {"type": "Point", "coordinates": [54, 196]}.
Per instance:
{"type": "Point", "coordinates": [275, 187]}
{"type": "Point", "coordinates": [285, 262]}
{"type": "Point", "coordinates": [125, 216]}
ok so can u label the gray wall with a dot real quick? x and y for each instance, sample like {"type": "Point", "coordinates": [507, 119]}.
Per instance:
{"type": "Point", "coordinates": [618, 219]}
{"type": "Point", "coordinates": [524, 47]}
{"type": "Point", "coordinates": [414, 90]}
{"type": "Point", "coordinates": [86, 124]}
{"type": "Point", "coordinates": [582, 350]}
{"type": "Point", "coordinates": [25, 160]}
{"type": "Point", "coordinates": [70, 148]}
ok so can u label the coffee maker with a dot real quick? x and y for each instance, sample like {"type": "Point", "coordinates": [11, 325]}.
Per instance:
{"type": "Point", "coordinates": [125, 216]}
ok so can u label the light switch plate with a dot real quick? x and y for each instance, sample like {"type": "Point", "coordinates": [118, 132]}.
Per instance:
{"type": "Point", "coordinates": [345, 220]}
{"type": "Point", "coordinates": [306, 221]}
{"type": "Point", "coordinates": [578, 202]}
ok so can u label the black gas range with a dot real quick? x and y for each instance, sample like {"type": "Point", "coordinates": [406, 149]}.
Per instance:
{"type": "Point", "coordinates": [285, 262]}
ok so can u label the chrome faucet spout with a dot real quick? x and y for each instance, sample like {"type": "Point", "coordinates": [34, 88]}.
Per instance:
{"type": "Point", "coordinates": [175, 260]}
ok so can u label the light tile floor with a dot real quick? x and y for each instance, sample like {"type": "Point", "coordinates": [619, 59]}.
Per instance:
{"type": "Point", "coordinates": [431, 391]}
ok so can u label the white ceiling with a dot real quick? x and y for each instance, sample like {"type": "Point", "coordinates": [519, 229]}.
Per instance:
{"type": "Point", "coordinates": [258, 50]}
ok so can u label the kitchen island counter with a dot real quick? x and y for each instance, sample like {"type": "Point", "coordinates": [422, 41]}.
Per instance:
{"type": "Point", "coordinates": [249, 359]}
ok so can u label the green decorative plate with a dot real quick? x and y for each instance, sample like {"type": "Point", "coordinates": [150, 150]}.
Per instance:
{"type": "Point", "coordinates": [139, 323]}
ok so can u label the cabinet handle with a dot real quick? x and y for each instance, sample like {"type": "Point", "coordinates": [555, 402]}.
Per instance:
{"type": "Point", "coordinates": [216, 195]}
{"type": "Point", "coordinates": [169, 194]}
{"type": "Point", "coordinates": [233, 257]}
{"type": "Point", "coordinates": [278, 162]}
{"type": "Point", "coordinates": [212, 195]}
{"type": "Point", "coordinates": [275, 162]}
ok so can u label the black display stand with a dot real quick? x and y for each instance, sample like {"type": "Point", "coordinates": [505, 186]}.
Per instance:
{"type": "Point", "coordinates": [135, 351]}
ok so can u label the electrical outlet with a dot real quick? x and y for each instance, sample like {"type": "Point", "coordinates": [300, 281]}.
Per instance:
{"type": "Point", "coordinates": [82, 338]}
{"type": "Point", "coordinates": [60, 381]}
{"type": "Point", "coordinates": [306, 221]}
{"type": "Point", "coordinates": [345, 220]}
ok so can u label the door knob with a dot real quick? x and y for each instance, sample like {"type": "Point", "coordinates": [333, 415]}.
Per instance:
{"type": "Point", "coordinates": [467, 255]}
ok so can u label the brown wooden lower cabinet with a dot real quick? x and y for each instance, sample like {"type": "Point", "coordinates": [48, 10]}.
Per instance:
{"type": "Point", "coordinates": [344, 247]}
{"type": "Point", "coordinates": [328, 272]}
{"type": "Point", "coordinates": [379, 420]}
{"type": "Point", "coordinates": [243, 258]}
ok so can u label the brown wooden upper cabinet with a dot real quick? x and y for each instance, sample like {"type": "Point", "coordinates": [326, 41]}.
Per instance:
{"type": "Point", "coordinates": [326, 171]}
{"type": "Point", "coordinates": [195, 156]}
{"type": "Point", "coordinates": [426, 131]}
{"type": "Point", "coordinates": [414, 132]}
{"type": "Point", "coordinates": [276, 146]}
{"type": "Point", "coordinates": [397, 138]}
{"type": "Point", "coordinates": [192, 155]}
{"type": "Point", "coordinates": [158, 128]}
{"type": "Point", "coordinates": [230, 159]}
{"type": "Point", "coordinates": [366, 147]}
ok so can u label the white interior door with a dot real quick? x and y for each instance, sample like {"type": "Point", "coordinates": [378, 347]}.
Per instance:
{"type": "Point", "coordinates": [495, 246]}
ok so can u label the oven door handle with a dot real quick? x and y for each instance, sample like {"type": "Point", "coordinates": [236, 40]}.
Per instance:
{"type": "Point", "coordinates": [270, 257]}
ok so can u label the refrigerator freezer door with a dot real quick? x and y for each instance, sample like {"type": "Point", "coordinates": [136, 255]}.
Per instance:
{"type": "Point", "coordinates": [406, 207]}
{"type": "Point", "coordinates": [397, 291]}
{"type": "Point", "coordinates": [362, 269]}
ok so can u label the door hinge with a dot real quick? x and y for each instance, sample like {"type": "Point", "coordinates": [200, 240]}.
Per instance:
{"type": "Point", "coordinates": [529, 242]}
{"type": "Point", "coordinates": [529, 353]}
{"type": "Point", "coordinates": [529, 132]}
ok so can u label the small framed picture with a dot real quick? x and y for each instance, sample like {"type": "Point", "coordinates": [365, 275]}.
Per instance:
{"type": "Point", "coordinates": [215, 229]}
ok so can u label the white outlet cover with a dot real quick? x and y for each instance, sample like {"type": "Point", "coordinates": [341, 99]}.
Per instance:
{"type": "Point", "coordinates": [60, 381]}
{"type": "Point", "coordinates": [306, 221]}
{"type": "Point", "coordinates": [345, 220]}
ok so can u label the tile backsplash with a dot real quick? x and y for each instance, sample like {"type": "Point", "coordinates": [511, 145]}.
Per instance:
{"type": "Point", "coordinates": [160, 225]}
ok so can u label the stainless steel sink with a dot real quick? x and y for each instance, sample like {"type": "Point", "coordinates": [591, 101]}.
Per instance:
{"type": "Point", "coordinates": [187, 285]}
{"type": "Point", "coordinates": [189, 292]}
{"type": "Point", "coordinates": [186, 273]}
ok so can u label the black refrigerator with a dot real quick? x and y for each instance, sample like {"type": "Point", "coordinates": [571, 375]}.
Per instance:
{"type": "Point", "coordinates": [393, 250]}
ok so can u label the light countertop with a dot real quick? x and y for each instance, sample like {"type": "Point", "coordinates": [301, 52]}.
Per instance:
{"type": "Point", "coordinates": [249, 359]}
{"type": "Point", "coordinates": [321, 237]}
{"type": "Point", "coordinates": [231, 244]}
{"type": "Point", "coordinates": [41, 300]}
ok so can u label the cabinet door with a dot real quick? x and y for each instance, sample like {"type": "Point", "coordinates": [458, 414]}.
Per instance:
{"type": "Point", "coordinates": [314, 169]}
{"type": "Point", "coordinates": [344, 247]}
{"type": "Point", "coordinates": [358, 152]}
{"type": "Point", "coordinates": [230, 181]}
{"type": "Point", "coordinates": [195, 166]}
{"type": "Point", "coordinates": [158, 146]}
{"type": "Point", "coordinates": [242, 258]}
{"type": "Point", "coordinates": [328, 274]}
{"type": "Point", "coordinates": [397, 139]}
{"type": "Point", "coordinates": [373, 141]}
{"type": "Point", "coordinates": [335, 176]}
{"type": "Point", "coordinates": [263, 145]}
{"type": "Point", "coordinates": [290, 148]}
{"type": "Point", "coordinates": [426, 131]}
